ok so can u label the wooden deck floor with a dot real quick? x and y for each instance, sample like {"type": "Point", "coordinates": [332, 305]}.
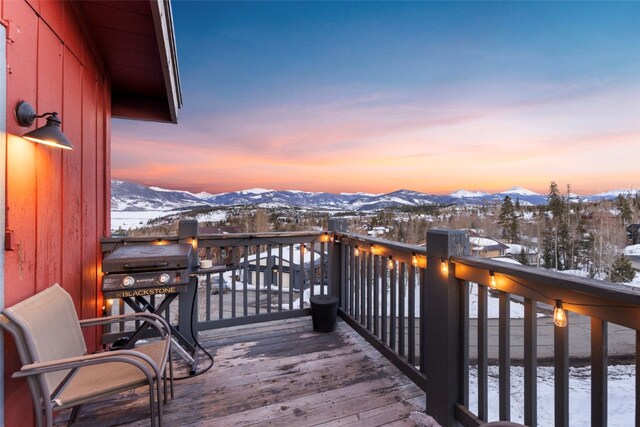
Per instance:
{"type": "Point", "coordinates": [278, 373]}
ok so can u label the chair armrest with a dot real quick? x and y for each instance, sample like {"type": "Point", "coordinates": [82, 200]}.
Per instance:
{"type": "Point", "coordinates": [151, 318]}
{"type": "Point", "coordinates": [136, 358]}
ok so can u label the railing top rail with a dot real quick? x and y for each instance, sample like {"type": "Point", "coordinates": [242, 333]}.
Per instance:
{"type": "Point", "coordinates": [265, 235]}
{"type": "Point", "coordinates": [397, 246]}
{"type": "Point", "coordinates": [248, 239]}
{"type": "Point", "coordinates": [146, 239]}
{"type": "Point", "coordinates": [233, 239]}
{"type": "Point", "coordinates": [613, 292]}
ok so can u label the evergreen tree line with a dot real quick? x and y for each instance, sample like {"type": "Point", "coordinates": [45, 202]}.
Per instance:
{"type": "Point", "coordinates": [569, 235]}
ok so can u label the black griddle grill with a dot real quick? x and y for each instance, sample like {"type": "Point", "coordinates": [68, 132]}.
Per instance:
{"type": "Point", "coordinates": [144, 270]}
{"type": "Point", "coordinates": [135, 273]}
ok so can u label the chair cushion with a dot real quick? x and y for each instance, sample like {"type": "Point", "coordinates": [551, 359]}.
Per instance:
{"type": "Point", "coordinates": [94, 381]}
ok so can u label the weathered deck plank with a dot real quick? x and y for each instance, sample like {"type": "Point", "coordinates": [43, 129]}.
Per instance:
{"type": "Point", "coordinates": [277, 373]}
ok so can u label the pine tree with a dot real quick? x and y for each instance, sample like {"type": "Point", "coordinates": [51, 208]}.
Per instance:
{"type": "Point", "coordinates": [508, 220]}
{"type": "Point", "coordinates": [621, 270]}
{"type": "Point", "coordinates": [554, 200]}
{"type": "Point", "coordinates": [583, 245]}
{"type": "Point", "coordinates": [548, 247]}
{"type": "Point", "coordinates": [522, 257]}
{"type": "Point", "coordinates": [622, 204]}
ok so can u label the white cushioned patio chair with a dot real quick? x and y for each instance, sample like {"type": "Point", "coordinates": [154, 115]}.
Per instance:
{"type": "Point", "coordinates": [58, 369]}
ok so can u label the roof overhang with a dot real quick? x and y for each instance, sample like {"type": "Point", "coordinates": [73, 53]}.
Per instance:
{"type": "Point", "coordinates": [136, 41]}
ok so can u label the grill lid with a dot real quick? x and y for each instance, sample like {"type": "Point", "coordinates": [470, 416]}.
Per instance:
{"type": "Point", "coordinates": [148, 257]}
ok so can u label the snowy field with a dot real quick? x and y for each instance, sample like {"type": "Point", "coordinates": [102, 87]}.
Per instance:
{"type": "Point", "coordinates": [621, 387]}
{"type": "Point", "coordinates": [126, 220]}
{"type": "Point", "coordinates": [134, 219]}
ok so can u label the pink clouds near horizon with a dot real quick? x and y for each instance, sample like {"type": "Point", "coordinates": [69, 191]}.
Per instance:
{"type": "Point", "coordinates": [383, 142]}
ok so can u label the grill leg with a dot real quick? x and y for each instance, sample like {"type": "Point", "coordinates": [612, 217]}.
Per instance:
{"type": "Point", "coordinates": [75, 411]}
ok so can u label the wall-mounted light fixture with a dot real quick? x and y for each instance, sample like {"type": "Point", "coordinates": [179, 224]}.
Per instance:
{"type": "Point", "coordinates": [49, 134]}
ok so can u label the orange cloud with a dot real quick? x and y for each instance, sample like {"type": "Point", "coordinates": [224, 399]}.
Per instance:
{"type": "Point", "coordinates": [381, 143]}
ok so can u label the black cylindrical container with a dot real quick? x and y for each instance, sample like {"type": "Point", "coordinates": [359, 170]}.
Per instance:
{"type": "Point", "coordinates": [324, 311]}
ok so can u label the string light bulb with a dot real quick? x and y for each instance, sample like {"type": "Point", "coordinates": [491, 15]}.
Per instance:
{"type": "Point", "coordinates": [560, 315]}
{"type": "Point", "coordinates": [390, 263]}
{"type": "Point", "coordinates": [303, 249]}
{"type": "Point", "coordinates": [356, 251]}
{"type": "Point", "coordinates": [373, 249]}
{"type": "Point", "coordinates": [492, 280]}
{"type": "Point", "coordinates": [414, 260]}
{"type": "Point", "coordinates": [444, 267]}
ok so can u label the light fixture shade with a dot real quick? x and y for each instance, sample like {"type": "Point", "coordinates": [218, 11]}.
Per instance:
{"type": "Point", "coordinates": [49, 134]}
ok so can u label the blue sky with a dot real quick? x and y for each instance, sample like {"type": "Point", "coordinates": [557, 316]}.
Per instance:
{"type": "Point", "coordinates": [377, 96]}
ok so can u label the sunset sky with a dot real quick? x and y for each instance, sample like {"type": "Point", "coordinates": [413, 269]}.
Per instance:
{"type": "Point", "coordinates": [375, 97]}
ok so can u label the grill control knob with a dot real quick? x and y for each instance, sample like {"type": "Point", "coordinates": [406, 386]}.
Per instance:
{"type": "Point", "coordinates": [164, 278]}
{"type": "Point", "coordinates": [127, 282]}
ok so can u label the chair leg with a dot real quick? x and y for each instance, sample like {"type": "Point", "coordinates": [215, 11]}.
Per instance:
{"type": "Point", "coordinates": [39, 412]}
{"type": "Point", "coordinates": [152, 405]}
{"type": "Point", "coordinates": [164, 384]}
{"type": "Point", "coordinates": [49, 415]}
{"type": "Point", "coordinates": [158, 387]}
{"type": "Point", "coordinates": [171, 373]}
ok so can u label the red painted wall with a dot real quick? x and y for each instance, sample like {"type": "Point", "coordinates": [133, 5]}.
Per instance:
{"type": "Point", "coordinates": [58, 200]}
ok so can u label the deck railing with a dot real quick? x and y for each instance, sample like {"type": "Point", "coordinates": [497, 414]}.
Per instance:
{"type": "Point", "coordinates": [272, 276]}
{"type": "Point", "coordinates": [412, 305]}
{"type": "Point", "coordinates": [537, 289]}
{"type": "Point", "coordinates": [382, 286]}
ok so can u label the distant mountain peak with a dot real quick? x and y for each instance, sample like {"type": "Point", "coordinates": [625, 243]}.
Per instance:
{"type": "Point", "coordinates": [464, 193]}
{"type": "Point", "coordinates": [520, 191]}
{"type": "Point", "coordinates": [615, 193]}
{"type": "Point", "coordinates": [129, 196]}
{"type": "Point", "coordinates": [255, 191]}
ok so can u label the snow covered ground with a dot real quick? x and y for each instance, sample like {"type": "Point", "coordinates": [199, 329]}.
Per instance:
{"type": "Point", "coordinates": [621, 387]}
{"type": "Point", "coordinates": [632, 250]}
{"type": "Point", "coordinates": [126, 220]}
{"type": "Point", "coordinates": [133, 219]}
{"type": "Point", "coordinates": [581, 273]}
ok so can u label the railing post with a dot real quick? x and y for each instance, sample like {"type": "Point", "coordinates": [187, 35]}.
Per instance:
{"type": "Point", "coordinates": [335, 268]}
{"type": "Point", "coordinates": [187, 231]}
{"type": "Point", "coordinates": [441, 324]}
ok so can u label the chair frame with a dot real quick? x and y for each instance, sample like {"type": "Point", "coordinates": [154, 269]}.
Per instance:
{"type": "Point", "coordinates": [44, 399]}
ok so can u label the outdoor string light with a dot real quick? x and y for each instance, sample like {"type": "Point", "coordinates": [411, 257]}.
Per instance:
{"type": "Point", "coordinates": [390, 263]}
{"type": "Point", "coordinates": [444, 268]}
{"type": "Point", "coordinates": [560, 315]}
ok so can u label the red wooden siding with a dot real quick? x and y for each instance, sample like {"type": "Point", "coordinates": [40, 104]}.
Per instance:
{"type": "Point", "coordinates": [58, 200]}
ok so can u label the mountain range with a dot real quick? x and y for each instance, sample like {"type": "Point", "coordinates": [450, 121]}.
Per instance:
{"type": "Point", "coordinates": [129, 196]}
